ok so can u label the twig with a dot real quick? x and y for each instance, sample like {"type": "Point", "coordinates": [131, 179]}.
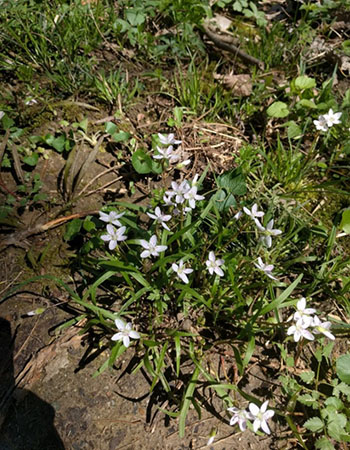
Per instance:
{"type": "Point", "coordinates": [227, 44]}
{"type": "Point", "coordinates": [19, 236]}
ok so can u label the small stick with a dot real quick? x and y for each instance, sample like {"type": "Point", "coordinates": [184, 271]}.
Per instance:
{"type": "Point", "coordinates": [229, 46]}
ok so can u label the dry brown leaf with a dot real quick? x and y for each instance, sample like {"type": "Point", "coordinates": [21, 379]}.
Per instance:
{"type": "Point", "coordinates": [240, 85]}
{"type": "Point", "coordinates": [219, 23]}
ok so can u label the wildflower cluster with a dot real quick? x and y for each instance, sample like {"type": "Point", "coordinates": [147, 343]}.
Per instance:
{"type": "Point", "coordinates": [183, 196]}
{"type": "Point", "coordinates": [305, 325]}
{"type": "Point", "coordinates": [266, 235]}
{"type": "Point", "coordinates": [114, 235]}
{"type": "Point", "coordinates": [169, 222]}
{"type": "Point", "coordinates": [326, 121]}
{"type": "Point", "coordinates": [167, 153]}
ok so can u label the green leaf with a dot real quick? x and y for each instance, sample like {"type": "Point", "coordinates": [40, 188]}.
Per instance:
{"type": "Point", "coordinates": [343, 368]}
{"type": "Point", "coordinates": [324, 444]}
{"type": "Point", "coordinates": [336, 425]}
{"type": "Point", "coordinates": [7, 122]}
{"type": "Point", "coordinates": [278, 109]}
{"type": "Point", "coordinates": [308, 376]}
{"type": "Point", "coordinates": [141, 162]}
{"type": "Point", "coordinates": [314, 424]}
{"type": "Point", "coordinates": [345, 221]}
{"type": "Point", "coordinates": [224, 201]}
{"type": "Point", "coordinates": [31, 160]}
{"type": "Point", "coordinates": [342, 388]}
{"type": "Point", "coordinates": [122, 136]}
{"type": "Point", "coordinates": [73, 229]}
{"type": "Point", "coordinates": [335, 403]}
{"type": "Point", "coordinates": [279, 301]}
{"type": "Point", "coordinates": [89, 224]}
{"type": "Point", "coordinates": [309, 400]}
{"type": "Point", "coordinates": [111, 128]}
{"type": "Point", "coordinates": [186, 402]}
{"type": "Point", "coordinates": [304, 82]}
{"type": "Point", "coordinates": [306, 103]}
{"type": "Point", "coordinates": [233, 181]}
{"type": "Point", "coordinates": [135, 17]}
{"type": "Point", "coordinates": [293, 130]}
{"type": "Point", "coordinates": [59, 143]}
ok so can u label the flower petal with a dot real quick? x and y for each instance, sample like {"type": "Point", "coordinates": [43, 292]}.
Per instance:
{"type": "Point", "coordinates": [120, 324]}
{"type": "Point", "coordinates": [126, 341]}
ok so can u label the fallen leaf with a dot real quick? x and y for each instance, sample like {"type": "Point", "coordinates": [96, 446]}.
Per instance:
{"type": "Point", "coordinates": [241, 85]}
{"type": "Point", "coordinates": [219, 22]}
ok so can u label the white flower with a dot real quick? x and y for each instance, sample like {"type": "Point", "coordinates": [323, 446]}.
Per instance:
{"type": "Point", "coordinates": [112, 217]}
{"type": "Point", "coordinates": [113, 236]}
{"type": "Point", "coordinates": [266, 268]}
{"type": "Point", "coordinates": [194, 182]}
{"type": "Point", "coordinates": [300, 329]}
{"type": "Point", "coordinates": [151, 247]}
{"type": "Point", "coordinates": [253, 212]}
{"type": "Point", "coordinates": [161, 218]}
{"type": "Point", "coordinates": [36, 312]}
{"type": "Point", "coordinates": [268, 232]}
{"type": "Point", "coordinates": [30, 101]}
{"type": "Point", "coordinates": [238, 215]}
{"type": "Point", "coordinates": [240, 416]}
{"type": "Point", "coordinates": [303, 313]}
{"type": "Point", "coordinates": [167, 200]}
{"type": "Point", "coordinates": [178, 191]}
{"type": "Point", "coordinates": [321, 124]}
{"type": "Point", "coordinates": [214, 264]}
{"type": "Point", "coordinates": [167, 153]}
{"type": "Point", "coordinates": [125, 332]}
{"type": "Point", "coordinates": [210, 440]}
{"type": "Point", "coordinates": [182, 164]}
{"type": "Point", "coordinates": [332, 118]}
{"type": "Point", "coordinates": [322, 327]}
{"type": "Point", "coordinates": [1, 114]}
{"type": "Point", "coordinates": [260, 416]}
{"type": "Point", "coordinates": [192, 196]}
{"type": "Point", "coordinates": [168, 139]}
{"type": "Point", "coordinates": [181, 271]}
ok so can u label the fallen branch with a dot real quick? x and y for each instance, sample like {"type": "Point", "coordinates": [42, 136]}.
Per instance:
{"type": "Point", "coordinates": [18, 238]}
{"type": "Point", "coordinates": [226, 43]}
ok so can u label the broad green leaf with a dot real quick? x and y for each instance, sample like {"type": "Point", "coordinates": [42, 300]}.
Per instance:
{"type": "Point", "coordinates": [135, 17]}
{"type": "Point", "coordinates": [309, 400]}
{"type": "Point", "coordinates": [335, 426]}
{"type": "Point", "coordinates": [223, 201]}
{"type": "Point", "coordinates": [324, 444]}
{"type": "Point", "coordinates": [278, 109]}
{"type": "Point", "coordinates": [342, 388]}
{"type": "Point", "coordinates": [335, 403]}
{"type": "Point", "coordinates": [304, 82]}
{"type": "Point", "coordinates": [304, 102]}
{"type": "Point", "coordinates": [294, 131]}
{"type": "Point", "coordinates": [122, 136]}
{"type": "Point", "coordinates": [72, 229]}
{"type": "Point", "coordinates": [343, 368]}
{"type": "Point", "coordinates": [308, 376]}
{"type": "Point", "coordinates": [345, 221]}
{"type": "Point", "coordinates": [233, 181]}
{"type": "Point", "coordinates": [314, 424]}
{"type": "Point", "coordinates": [141, 162]}
{"type": "Point", "coordinates": [31, 160]}
{"type": "Point", "coordinates": [111, 128]}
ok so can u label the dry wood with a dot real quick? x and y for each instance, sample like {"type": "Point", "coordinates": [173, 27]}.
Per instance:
{"type": "Point", "coordinates": [226, 43]}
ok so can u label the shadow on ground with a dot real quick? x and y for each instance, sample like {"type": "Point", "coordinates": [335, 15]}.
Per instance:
{"type": "Point", "coordinates": [26, 421]}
